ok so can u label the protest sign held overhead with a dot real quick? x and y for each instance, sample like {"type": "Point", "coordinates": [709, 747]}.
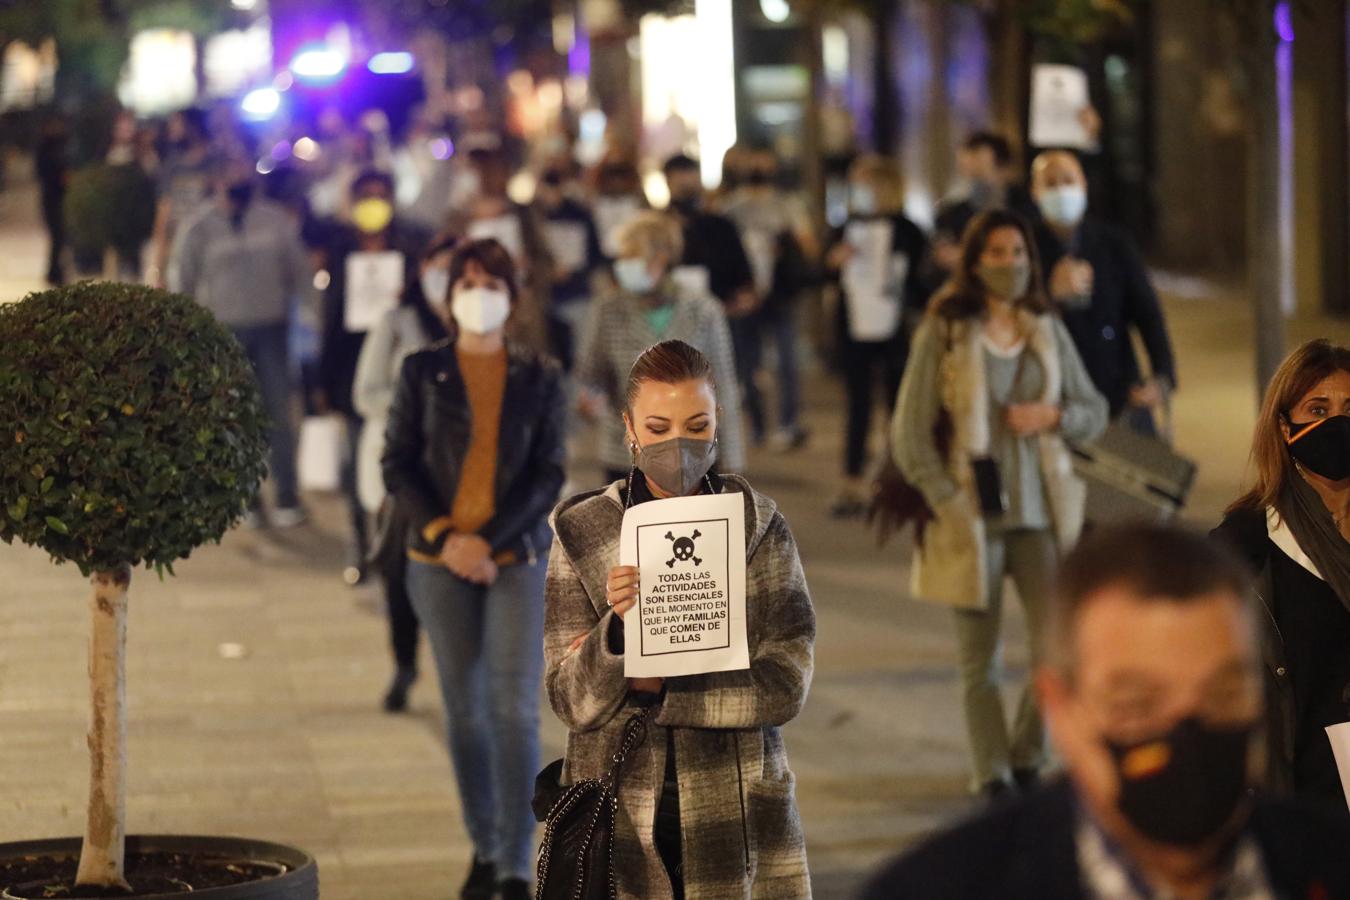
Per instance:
{"type": "Point", "coordinates": [690, 613]}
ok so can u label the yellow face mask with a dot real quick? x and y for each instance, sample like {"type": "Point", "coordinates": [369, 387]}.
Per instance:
{"type": "Point", "coordinates": [372, 215]}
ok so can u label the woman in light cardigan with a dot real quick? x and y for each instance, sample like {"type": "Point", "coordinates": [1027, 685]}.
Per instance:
{"type": "Point", "coordinates": [412, 326]}
{"type": "Point", "coordinates": [1001, 364]}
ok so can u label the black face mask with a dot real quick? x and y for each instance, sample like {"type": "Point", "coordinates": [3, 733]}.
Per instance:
{"type": "Point", "coordinates": [758, 179]}
{"type": "Point", "coordinates": [1181, 787]}
{"type": "Point", "coordinates": [240, 194]}
{"type": "Point", "coordinates": [685, 203]}
{"type": "Point", "coordinates": [1322, 447]}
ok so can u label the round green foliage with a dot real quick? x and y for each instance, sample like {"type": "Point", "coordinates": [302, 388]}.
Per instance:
{"type": "Point", "coordinates": [131, 428]}
{"type": "Point", "coordinates": [110, 206]}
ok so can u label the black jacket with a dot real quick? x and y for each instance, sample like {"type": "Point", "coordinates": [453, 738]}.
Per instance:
{"type": "Point", "coordinates": [1122, 298]}
{"type": "Point", "coordinates": [713, 242]}
{"type": "Point", "coordinates": [339, 349]}
{"type": "Point", "coordinates": [1307, 681]}
{"type": "Point", "coordinates": [1026, 850]}
{"type": "Point", "coordinates": [428, 435]}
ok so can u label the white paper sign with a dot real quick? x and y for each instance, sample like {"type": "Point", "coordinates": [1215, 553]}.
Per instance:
{"type": "Point", "coordinates": [611, 214]}
{"type": "Point", "coordinates": [1340, 746]}
{"type": "Point", "coordinates": [870, 287]}
{"type": "Point", "coordinates": [506, 229]}
{"type": "Point", "coordinates": [567, 243]}
{"type": "Point", "coordinates": [690, 614]}
{"type": "Point", "coordinates": [1059, 95]}
{"type": "Point", "coordinates": [374, 284]}
{"type": "Point", "coordinates": [761, 248]}
{"type": "Point", "coordinates": [692, 281]}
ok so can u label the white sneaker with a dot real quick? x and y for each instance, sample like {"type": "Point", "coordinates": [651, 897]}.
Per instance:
{"type": "Point", "coordinates": [288, 516]}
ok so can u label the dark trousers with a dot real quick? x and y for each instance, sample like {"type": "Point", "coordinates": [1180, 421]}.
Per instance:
{"type": "Point", "coordinates": [54, 216]}
{"type": "Point", "coordinates": [748, 344]}
{"type": "Point", "coordinates": [779, 325]}
{"type": "Point", "coordinates": [861, 363]}
{"type": "Point", "coordinates": [347, 479]}
{"type": "Point", "coordinates": [403, 629]}
{"type": "Point", "coordinates": [268, 351]}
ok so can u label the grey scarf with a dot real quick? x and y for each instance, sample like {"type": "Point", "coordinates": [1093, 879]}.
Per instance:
{"type": "Point", "coordinates": [1315, 530]}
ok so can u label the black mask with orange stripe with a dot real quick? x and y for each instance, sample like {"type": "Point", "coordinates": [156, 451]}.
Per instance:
{"type": "Point", "coordinates": [1184, 786]}
{"type": "Point", "coordinates": [1322, 446]}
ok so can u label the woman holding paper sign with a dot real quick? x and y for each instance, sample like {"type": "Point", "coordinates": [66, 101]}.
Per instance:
{"type": "Point", "coordinates": [706, 802]}
{"type": "Point", "coordinates": [875, 257]}
{"type": "Point", "coordinates": [996, 370]}
{"type": "Point", "coordinates": [1293, 526]}
{"type": "Point", "coordinates": [474, 458]}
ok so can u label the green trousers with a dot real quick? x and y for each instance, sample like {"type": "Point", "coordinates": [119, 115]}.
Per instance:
{"type": "Point", "coordinates": [1029, 557]}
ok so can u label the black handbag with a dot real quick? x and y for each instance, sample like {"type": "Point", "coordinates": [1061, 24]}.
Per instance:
{"type": "Point", "coordinates": [576, 859]}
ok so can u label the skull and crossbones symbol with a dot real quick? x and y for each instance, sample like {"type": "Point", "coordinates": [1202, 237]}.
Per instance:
{"type": "Point", "coordinates": [683, 548]}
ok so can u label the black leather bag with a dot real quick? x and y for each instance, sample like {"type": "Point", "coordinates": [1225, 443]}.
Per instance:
{"type": "Point", "coordinates": [576, 859]}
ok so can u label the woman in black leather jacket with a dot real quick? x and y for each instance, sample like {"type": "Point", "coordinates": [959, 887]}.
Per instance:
{"type": "Point", "coordinates": [474, 458]}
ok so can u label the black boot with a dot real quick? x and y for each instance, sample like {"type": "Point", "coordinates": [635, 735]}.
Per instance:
{"type": "Point", "coordinates": [397, 698]}
{"type": "Point", "coordinates": [482, 881]}
{"type": "Point", "coordinates": [515, 889]}
{"type": "Point", "coordinates": [1026, 779]}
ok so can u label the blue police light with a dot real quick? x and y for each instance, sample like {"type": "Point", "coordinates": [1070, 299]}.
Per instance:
{"type": "Point", "coordinates": [318, 63]}
{"type": "Point", "coordinates": [260, 104]}
{"type": "Point", "coordinates": [391, 63]}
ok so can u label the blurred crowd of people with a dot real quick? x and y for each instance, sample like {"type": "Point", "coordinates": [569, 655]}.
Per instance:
{"type": "Point", "coordinates": [998, 339]}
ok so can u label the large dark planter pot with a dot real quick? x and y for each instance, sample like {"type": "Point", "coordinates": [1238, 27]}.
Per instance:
{"type": "Point", "coordinates": [299, 878]}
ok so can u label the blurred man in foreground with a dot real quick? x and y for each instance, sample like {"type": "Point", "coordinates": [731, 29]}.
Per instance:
{"type": "Point", "coordinates": [1152, 693]}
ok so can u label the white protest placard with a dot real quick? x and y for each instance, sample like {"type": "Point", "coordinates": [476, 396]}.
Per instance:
{"type": "Point", "coordinates": [374, 285]}
{"type": "Point", "coordinates": [567, 244]}
{"type": "Point", "coordinates": [1059, 98]}
{"type": "Point", "coordinates": [506, 230]}
{"type": "Point", "coordinates": [611, 214]}
{"type": "Point", "coordinates": [690, 615]}
{"type": "Point", "coordinates": [870, 291]}
{"type": "Point", "coordinates": [1340, 747]}
{"type": "Point", "coordinates": [692, 281]}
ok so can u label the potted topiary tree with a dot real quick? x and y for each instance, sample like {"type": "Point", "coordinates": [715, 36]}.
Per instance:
{"type": "Point", "coordinates": [132, 433]}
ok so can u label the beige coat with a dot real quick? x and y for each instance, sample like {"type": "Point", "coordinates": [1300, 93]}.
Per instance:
{"type": "Point", "coordinates": [950, 567]}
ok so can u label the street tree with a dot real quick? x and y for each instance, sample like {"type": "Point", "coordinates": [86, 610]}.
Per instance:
{"type": "Point", "coordinates": [134, 432]}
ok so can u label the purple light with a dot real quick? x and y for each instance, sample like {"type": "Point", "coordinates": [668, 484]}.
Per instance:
{"type": "Point", "coordinates": [441, 148]}
{"type": "Point", "coordinates": [1284, 22]}
{"type": "Point", "coordinates": [281, 151]}
{"type": "Point", "coordinates": [579, 57]}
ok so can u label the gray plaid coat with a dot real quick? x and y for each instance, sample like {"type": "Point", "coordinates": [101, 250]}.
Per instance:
{"type": "Point", "coordinates": [742, 835]}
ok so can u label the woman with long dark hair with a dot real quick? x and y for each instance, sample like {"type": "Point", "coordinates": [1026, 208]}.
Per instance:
{"type": "Point", "coordinates": [707, 805]}
{"type": "Point", "coordinates": [993, 367]}
{"type": "Point", "coordinates": [474, 458]}
{"type": "Point", "coordinates": [1293, 525]}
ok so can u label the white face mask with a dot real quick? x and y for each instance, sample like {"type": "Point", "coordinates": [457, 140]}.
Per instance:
{"type": "Point", "coordinates": [1063, 205]}
{"type": "Point", "coordinates": [436, 288]}
{"type": "Point", "coordinates": [480, 310]}
{"type": "Point", "coordinates": [633, 275]}
{"type": "Point", "coordinates": [862, 199]}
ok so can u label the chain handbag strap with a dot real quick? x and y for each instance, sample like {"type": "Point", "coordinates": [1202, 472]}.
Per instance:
{"type": "Point", "coordinates": [633, 734]}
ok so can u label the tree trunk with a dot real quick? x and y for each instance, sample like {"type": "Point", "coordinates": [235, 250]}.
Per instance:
{"type": "Point", "coordinates": [101, 860]}
{"type": "Point", "coordinates": [1269, 246]}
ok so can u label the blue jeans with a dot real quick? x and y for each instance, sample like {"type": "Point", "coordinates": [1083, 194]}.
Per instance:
{"type": "Point", "coordinates": [268, 350]}
{"type": "Point", "coordinates": [488, 643]}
